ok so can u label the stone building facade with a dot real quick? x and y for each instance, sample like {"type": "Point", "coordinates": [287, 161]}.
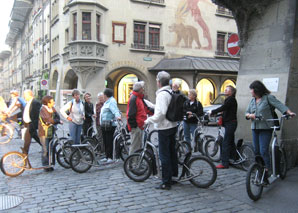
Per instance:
{"type": "Point", "coordinates": [93, 44]}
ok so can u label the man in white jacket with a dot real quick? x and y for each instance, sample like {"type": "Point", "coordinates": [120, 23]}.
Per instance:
{"type": "Point", "coordinates": [166, 131]}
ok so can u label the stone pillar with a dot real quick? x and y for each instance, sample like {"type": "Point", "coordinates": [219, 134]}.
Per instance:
{"type": "Point", "coordinates": [269, 36]}
{"type": "Point", "coordinates": [90, 78]}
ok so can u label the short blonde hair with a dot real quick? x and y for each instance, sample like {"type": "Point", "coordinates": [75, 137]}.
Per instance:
{"type": "Point", "coordinates": [193, 92]}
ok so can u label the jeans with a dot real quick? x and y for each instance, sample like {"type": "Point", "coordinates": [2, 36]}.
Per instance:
{"type": "Point", "coordinates": [188, 129]}
{"type": "Point", "coordinates": [261, 141]}
{"type": "Point", "coordinates": [136, 136]}
{"type": "Point", "coordinates": [228, 147]}
{"type": "Point", "coordinates": [45, 142]}
{"type": "Point", "coordinates": [75, 131]}
{"type": "Point", "coordinates": [168, 154]}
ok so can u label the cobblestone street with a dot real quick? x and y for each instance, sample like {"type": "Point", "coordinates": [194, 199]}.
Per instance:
{"type": "Point", "coordinates": [108, 189]}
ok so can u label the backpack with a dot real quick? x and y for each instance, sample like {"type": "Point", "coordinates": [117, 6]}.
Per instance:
{"type": "Point", "coordinates": [175, 108]}
{"type": "Point", "coordinates": [22, 101]}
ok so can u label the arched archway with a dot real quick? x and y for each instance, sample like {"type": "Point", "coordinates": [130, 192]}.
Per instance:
{"type": "Point", "coordinates": [121, 80]}
{"type": "Point", "coordinates": [125, 86]}
{"type": "Point", "coordinates": [206, 91]}
{"type": "Point", "coordinates": [54, 80]}
{"type": "Point", "coordinates": [226, 83]}
{"type": "Point", "coordinates": [183, 85]}
{"type": "Point", "coordinates": [70, 80]}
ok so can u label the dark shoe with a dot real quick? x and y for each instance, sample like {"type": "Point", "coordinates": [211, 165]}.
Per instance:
{"type": "Point", "coordinates": [49, 169]}
{"type": "Point", "coordinates": [220, 166]}
{"type": "Point", "coordinates": [163, 187]}
{"type": "Point", "coordinates": [174, 182]}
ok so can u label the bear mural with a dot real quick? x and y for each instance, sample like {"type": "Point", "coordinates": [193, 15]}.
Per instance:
{"type": "Point", "coordinates": [189, 9]}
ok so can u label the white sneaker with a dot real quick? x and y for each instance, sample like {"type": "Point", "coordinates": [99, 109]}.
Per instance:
{"type": "Point", "coordinates": [109, 160]}
{"type": "Point", "coordinates": [103, 160]}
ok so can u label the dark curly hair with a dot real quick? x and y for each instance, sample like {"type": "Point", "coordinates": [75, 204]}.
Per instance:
{"type": "Point", "coordinates": [259, 88]}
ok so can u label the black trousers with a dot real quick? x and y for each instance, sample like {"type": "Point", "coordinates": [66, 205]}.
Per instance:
{"type": "Point", "coordinates": [168, 154]}
{"type": "Point", "coordinates": [86, 126]}
{"type": "Point", "coordinates": [108, 141]}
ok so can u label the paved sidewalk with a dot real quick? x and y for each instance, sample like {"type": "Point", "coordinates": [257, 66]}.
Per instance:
{"type": "Point", "coordinates": [107, 189]}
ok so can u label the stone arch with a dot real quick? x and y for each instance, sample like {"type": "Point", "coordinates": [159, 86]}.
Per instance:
{"type": "Point", "coordinates": [114, 77]}
{"type": "Point", "coordinates": [184, 86]}
{"type": "Point", "coordinates": [227, 82]}
{"type": "Point", "coordinates": [70, 80]}
{"type": "Point", "coordinates": [206, 90]}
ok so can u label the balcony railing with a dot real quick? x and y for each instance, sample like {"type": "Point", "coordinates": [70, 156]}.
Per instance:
{"type": "Point", "coordinates": [225, 12]}
{"type": "Point", "coordinates": [221, 53]}
{"type": "Point", "coordinates": [147, 47]}
{"type": "Point", "coordinates": [156, 2]}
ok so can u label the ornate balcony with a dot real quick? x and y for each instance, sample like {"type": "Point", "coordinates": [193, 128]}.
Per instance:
{"type": "Point", "coordinates": [92, 51]}
{"type": "Point", "coordinates": [86, 58]}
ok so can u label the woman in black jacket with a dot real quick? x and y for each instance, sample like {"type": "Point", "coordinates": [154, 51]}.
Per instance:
{"type": "Point", "coordinates": [229, 118]}
{"type": "Point", "coordinates": [190, 107]}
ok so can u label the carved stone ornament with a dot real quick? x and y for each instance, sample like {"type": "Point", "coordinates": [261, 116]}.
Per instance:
{"type": "Point", "coordinates": [84, 73]}
{"type": "Point", "coordinates": [73, 51]}
{"type": "Point", "coordinates": [86, 50]}
{"type": "Point", "coordinates": [243, 11]}
{"type": "Point", "coordinates": [100, 51]}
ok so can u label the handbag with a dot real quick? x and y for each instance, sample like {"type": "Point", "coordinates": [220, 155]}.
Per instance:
{"type": "Point", "coordinates": [106, 125]}
{"type": "Point", "coordinates": [274, 115]}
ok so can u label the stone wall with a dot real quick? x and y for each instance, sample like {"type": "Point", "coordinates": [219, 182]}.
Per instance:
{"type": "Point", "coordinates": [271, 52]}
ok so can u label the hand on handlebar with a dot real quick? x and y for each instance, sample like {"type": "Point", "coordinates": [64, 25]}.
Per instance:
{"type": "Point", "coordinates": [253, 116]}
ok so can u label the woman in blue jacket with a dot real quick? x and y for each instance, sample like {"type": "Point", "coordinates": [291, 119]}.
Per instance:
{"type": "Point", "coordinates": [260, 105]}
{"type": "Point", "coordinates": [109, 112]}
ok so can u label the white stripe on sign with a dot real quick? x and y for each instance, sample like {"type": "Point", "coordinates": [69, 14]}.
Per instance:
{"type": "Point", "coordinates": [234, 44]}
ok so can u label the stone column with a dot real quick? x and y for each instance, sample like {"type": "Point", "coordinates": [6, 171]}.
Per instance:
{"type": "Point", "coordinates": [268, 32]}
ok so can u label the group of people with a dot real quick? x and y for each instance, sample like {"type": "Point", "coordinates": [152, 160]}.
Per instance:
{"type": "Point", "coordinates": [141, 112]}
{"type": "Point", "coordinates": [261, 103]}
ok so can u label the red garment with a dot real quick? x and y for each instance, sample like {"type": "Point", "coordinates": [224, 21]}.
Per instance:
{"type": "Point", "coordinates": [137, 111]}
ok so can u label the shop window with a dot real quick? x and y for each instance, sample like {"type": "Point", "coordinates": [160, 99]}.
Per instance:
{"type": "Point", "coordinates": [184, 88]}
{"type": "Point", "coordinates": [227, 83]}
{"type": "Point", "coordinates": [86, 26]}
{"type": "Point", "coordinates": [205, 91]}
{"type": "Point", "coordinates": [125, 87]}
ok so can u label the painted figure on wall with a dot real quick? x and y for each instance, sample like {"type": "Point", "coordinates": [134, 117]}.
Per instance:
{"type": "Point", "coordinates": [189, 33]}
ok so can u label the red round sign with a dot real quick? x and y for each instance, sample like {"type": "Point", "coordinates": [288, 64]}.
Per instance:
{"type": "Point", "coordinates": [44, 82]}
{"type": "Point", "coordinates": [233, 48]}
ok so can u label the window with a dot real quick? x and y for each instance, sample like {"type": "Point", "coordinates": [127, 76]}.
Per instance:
{"type": "Point", "coordinates": [74, 16]}
{"type": "Point", "coordinates": [97, 27]}
{"type": "Point", "coordinates": [86, 26]}
{"type": "Point", "coordinates": [205, 91]}
{"type": "Point", "coordinates": [222, 39]}
{"type": "Point", "coordinates": [139, 35]}
{"type": "Point", "coordinates": [221, 43]}
{"type": "Point", "coordinates": [125, 87]}
{"type": "Point", "coordinates": [154, 35]}
{"type": "Point", "coordinates": [66, 37]}
{"type": "Point", "coordinates": [147, 36]}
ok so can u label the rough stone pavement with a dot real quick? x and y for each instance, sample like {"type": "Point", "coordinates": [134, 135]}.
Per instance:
{"type": "Point", "coordinates": [108, 189]}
